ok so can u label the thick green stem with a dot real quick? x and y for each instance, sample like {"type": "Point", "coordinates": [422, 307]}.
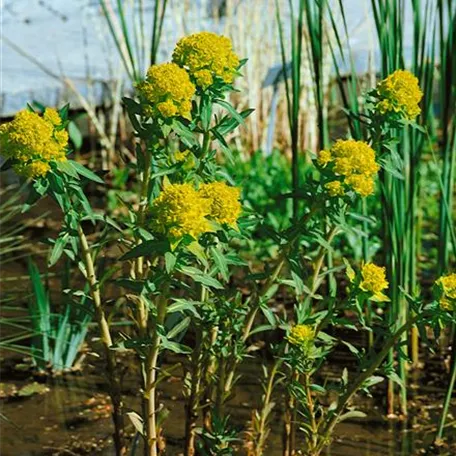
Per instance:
{"type": "Point", "coordinates": [193, 400]}
{"type": "Point", "coordinates": [311, 410]}
{"type": "Point", "coordinates": [151, 378]}
{"type": "Point", "coordinates": [105, 336]}
{"type": "Point", "coordinates": [195, 386]}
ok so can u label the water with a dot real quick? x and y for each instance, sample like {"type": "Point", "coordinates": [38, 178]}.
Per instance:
{"type": "Point", "coordinates": [74, 418]}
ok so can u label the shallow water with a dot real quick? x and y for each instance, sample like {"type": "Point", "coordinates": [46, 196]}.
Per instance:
{"type": "Point", "coordinates": [73, 417]}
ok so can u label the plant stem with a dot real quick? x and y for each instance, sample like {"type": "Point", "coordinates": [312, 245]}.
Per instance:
{"type": "Point", "coordinates": [289, 436]}
{"type": "Point", "coordinates": [192, 405]}
{"type": "Point", "coordinates": [195, 387]}
{"type": "Point", "coordinates": [451, 384]}
{"type": "Point", "coordinates": [265, 411]}
{"type": "Point", "coordinates": [311, 409]}
{"type": "Point", "coordinates": [250, 319]}
{"type": "Point", "coordinates": [105, 334]}
{"type": "Point", "coordinates": [334, 417]}
{"type": "Point", "coordinates": [151, 377]}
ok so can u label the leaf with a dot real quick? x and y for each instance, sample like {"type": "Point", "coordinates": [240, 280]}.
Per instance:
{"type": "Point", "coordinates": [395, 378]}
{"type": "Point", "coordinates": [181, 326]}
{"type": "Point", "coordinates": [67, 168]}
{"type": "Point", "coordinates": [83, 171]}
{"type": "Point", "coordinates": [228, 124]}
{"type": "Point", "coordinates": [57, 250]}
{"type": "Point", "coordinates": [146, 248]}
{"type": "Point", "coordinates": [170, 262]}
{"type": "Point", "coordinates": [129, 284]}
{"type": "Point", "coordinates": [185, 134]}
{"type": "Point", "coordinates": [208, 281]}
{"type": "Point", "coordinates": [197, 250]}
{"type": "Point", "coordinates": [175, 347]}
{"type": "Point", "coordinates": [352, 414]}
{"type": "Point", "coordinates": [371, 381]}
{"type": "Point", "coordinates": [351, 347]}
{"type": "Point", "coordinates": [224, 145]}
{"type": "Point", "coordinates": [231, 110]}
{"type": "Point", "coordinates": [201, 277]}
{"type": "Point", "coordinates": [220, 262]}
{"type": "Point", "coordinates": [137, 421]}
{"type": "Point", "coordinates": [75, 134]}
{"type": "Point", "coordinates": [182, 305]}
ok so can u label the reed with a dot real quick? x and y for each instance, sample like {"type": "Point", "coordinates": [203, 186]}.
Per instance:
{"type": "Point", "coordinates": [400, 201]}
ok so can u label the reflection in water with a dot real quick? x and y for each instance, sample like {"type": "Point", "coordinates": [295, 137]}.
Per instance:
{"type": "Point", "coordinates": [75, 414]}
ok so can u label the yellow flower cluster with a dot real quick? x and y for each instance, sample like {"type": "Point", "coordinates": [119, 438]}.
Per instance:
{"type": "Point", "coordinates": [34, 141]}
{"type": "Point", "coordinates": [301, 336]}
{"type": "Point", "coordinates": [335, 188]}
{"type": "Point", "coordinates": [225, 205]}
{"type": "Point", "coordinates": [447, 285]}
{"type": "Point", "coordinates": [181, 156]}
{"type": "Point", "coordinates": [180, 209]}
{"type": "Point", "coordinates": [374, 280]}
{"type": "Point", "coordinates": [400, 93]}
{"type": "Point", "coordinates": [355, 162]}
{"type": "Point", "coordinates": [167, 90]}
{"type": "Point", "coordinates": [206, 55]}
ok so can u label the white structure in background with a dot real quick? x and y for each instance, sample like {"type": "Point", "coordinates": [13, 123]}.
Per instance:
{"type": "Point", "coordinates": [70, 39]}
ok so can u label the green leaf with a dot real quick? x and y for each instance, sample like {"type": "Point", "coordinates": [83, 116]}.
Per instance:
{"type": "Point", "coordinates": [231, 110]}
{"type": "Point", "coordinates": [75, 134]}
{"type": "Point", "coordinates": [180, 327]}
{"type": "Point", "coordinates": [182, 305]}
{"type": "Point", "coordinates": [175, 347]}
{"type": "Point", "coordinates": [83, 171]}
{"type": "Point", "coordinates": [170, 262]}
{"type": "Point", "coordinates": [371, 381]}
{"type": "Point", "coordinates": [197, 250]}
{"type": "Point", "coordinates": [228, 124]}
{"type": "Point", "coordinates": [351, 414]}
{"type": "Point", "coordinates": [224, 145]}
{"type": "Point", "coordinates": [208, 281]}
{"type": "Point", "coordinates": [220, 262]}
{"type": "Point", "coordinates": [146, 248]}
{"type": "Point", "coordinates": [57, 250]}
{"type": "Point", "coordinates": [185, 134]}
{"type": "Point", "coordinates": [67, 168]}
{"type": "Point", "coordinates": [201, 277]}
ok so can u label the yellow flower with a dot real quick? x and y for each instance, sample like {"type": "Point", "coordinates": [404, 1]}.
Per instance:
{"type": "Point", "coordinates": [374, 281]}
{"type": "Point", "coordinates": [324, 157]}
{"type": "Point", "coordinates": [206, 55]}
{"type": "Point", "coordinates": [32, 170]}
{"type": "Point", "coordinates": [181, 156]}
{"type": "Point", "coordinates": [335, 188]}
{"type": "Point", "coordinates": [224, 202]}
{"type": "Point", "coordinates": [34, 142]}
{"type": "Point", "coordinates": [447, 285]}
{"type": "Point", "coordinates": [362, 184]}
{"type": "Point", "coordinates": [355, 161]}
{"type": "Point", "coordinates": [167, 90]}
{"type": "Point", "coordinates": [400, 93]}
{"type": "Point", "coordinates": [301, 336]}
{"type": "Point", "coordinates": [180, 210]}
{"type": "Point", "coordinates": [51, 115]}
